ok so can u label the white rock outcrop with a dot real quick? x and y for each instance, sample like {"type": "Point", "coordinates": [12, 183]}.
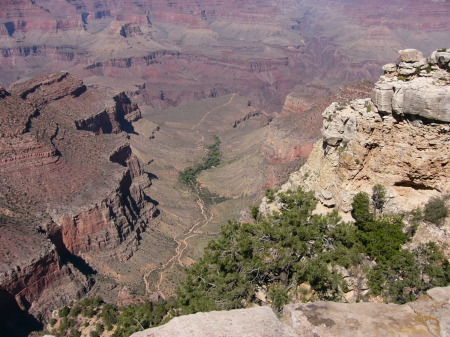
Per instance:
{"type": "Point", "coordinates": [399, 138]}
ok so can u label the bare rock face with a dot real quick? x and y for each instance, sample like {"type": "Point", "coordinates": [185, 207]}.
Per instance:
{"type": "Point", "coordinates": [415, 86]}
{"type": "Point", "coordinates": [254, 322]}
{"type": "Point", "coordinates": [400, 138]}
{"type": "Point", "coordinates": [72, 192]}
{"type": "Point", "coordinates": [428, 316]}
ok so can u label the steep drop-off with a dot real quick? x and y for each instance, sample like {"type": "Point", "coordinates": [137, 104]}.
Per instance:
{"type": "Point", "coordinates": [70, 198]}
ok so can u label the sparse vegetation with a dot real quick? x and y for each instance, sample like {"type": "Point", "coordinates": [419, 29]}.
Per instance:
{"type": "Point", "coordinates": [123, 320]}
{"type": "Point", "coordinates": [213, 158]}
{"type": "Point", "coordinates": [270, 194]}
{"type": "Point", "coordinates": [436, 210]}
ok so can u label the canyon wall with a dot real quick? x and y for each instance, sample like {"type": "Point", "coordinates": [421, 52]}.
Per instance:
{"type": "Point", "coordinates": [72, 192]}
{"type": "Point", "coordinates": [262, 49]}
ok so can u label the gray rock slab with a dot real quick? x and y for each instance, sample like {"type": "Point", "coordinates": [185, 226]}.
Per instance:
{"type": "Point", "coordinates": [356, 320]}
{"type": "Point", "coordinates": [253, 322]}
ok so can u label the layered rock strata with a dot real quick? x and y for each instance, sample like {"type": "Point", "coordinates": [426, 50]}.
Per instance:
{"type": "Point", "coordinates": [70, 185]}
{"type": "Point", "coordinates": [399, 138]}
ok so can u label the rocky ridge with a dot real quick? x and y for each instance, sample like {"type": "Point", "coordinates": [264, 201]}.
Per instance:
{"type": "Point", "coordinates": [428, 316]}
{"type": "Point", "coordinates": [398, 138]}
{"type": "Point", "coordinates": [72, 192]}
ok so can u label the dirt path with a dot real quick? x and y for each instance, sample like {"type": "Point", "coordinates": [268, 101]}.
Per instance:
{"type": "Point", "coordinates": [217, 107]}
{"type": "Point", "coordinates": [182, 245]}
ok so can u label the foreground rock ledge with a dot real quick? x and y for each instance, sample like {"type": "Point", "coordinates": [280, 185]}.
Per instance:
{"type": "Point", "coordinates": [428, 316]}
{"type": "Point", "coordinates": [253, 322]}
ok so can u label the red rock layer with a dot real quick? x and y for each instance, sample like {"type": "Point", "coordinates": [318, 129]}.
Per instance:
{"type": "Point", "coordinates": [68, 186]}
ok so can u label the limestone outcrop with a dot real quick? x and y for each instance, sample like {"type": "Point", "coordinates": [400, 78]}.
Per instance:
{"type": "Point", "coordinates": [428, 316]}
{"type": "Point", "coordinates": [416, 86]}
{"type": "Point", "coordinates": [399, 138]}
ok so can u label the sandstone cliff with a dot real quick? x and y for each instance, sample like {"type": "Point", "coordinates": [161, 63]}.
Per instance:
{"type": "Point", "coordinates": [72, 192]}
{"type": "Point", "coordinates": [398, 138]}
{"type": "Point", "coordinates": [428, 316]}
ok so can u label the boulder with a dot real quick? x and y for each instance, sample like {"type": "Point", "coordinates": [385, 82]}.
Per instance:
{"type": "Point", "coordinates": [422, 98]}
{"type": "Point", "coordinates": [409, 55]}
{"type": "Point", "coordinates": [389, 68]}
{"type": "Point", "coordinates": [339, 124]}
{"type": "Point", "coordinates": [382, 96]}
{"type": "Point", "coordinates": [443, 59]}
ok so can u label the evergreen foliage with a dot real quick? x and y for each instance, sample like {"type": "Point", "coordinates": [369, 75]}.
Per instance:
{"type": "Point", "coordinates": [361, 208]}
{"type": "Point", "coordinates": [280, 251]}
{"type": "Point", "coordinates": [123, 320]}
{"type": "Point", "coordinates": [294, 246]}
{"type": "Point", "coordinates": [379, 197]}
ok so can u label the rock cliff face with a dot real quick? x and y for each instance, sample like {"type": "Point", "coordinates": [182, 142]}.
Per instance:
{"type": "Point", "coordinates": [293, 132]}
{"type": "Point", "coordinates": [399, 138]}
{"type": "Point", "coordinates": [428, 316]}
{"type": "Point", "coordinates": [71, 189]}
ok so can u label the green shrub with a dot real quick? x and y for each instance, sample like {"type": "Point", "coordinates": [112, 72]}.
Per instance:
{"type": "Point", "coordinates": [361, 209]}
{"type": "Point", "coordinates": [379, 197]}
{"type": "Point", "coordinates": [99, 328]}
{"type": "Point", "coordinates": [436, 210]}
{"type": "Point", "coordinates": [254, 212]}
{"type": "Point", "coordinates": [270, 194]}
{"type": "Point", "coordinates": [279, 296]}
{"type": "Point", "coordinates": [75, 333]}
{"type": "Point", "coordinates": [109, 315]}
{"type": "Point", "coordinates": [75, 310]}
{"type": "Point", "coordinates": [64, 312]}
